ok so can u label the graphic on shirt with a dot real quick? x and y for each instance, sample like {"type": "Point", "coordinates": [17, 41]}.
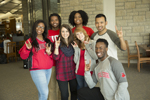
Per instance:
{"type": "Point", "coordinates": [103, 74]}
{"type": "Point", "coordinates": [53, 37]}
{"type": "Point", "coordinates": [123, 75]}
{"type": "Point", "coordinates": [41, 46]}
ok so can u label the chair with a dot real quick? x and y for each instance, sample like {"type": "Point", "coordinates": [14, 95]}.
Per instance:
{"type": "Point", "coordinates": [130, 56]}
{"type": "Point", "coordinates": [11, 50]}
{"type": "Point", "coordinates": [141, 59]}
{"type": "Point", "coordinates": [19, 46]}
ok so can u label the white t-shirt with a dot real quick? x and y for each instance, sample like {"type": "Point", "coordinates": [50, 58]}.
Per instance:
{"type": "Point", "coordinates": [5, 44]}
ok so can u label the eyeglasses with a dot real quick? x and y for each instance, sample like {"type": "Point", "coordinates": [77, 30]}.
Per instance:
{"type": "Point", "coordinates": [40, 27]}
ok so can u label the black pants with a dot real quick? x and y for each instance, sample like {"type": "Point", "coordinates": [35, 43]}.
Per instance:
{"type": "Point", "coordinates": [63, 86]}
{"type": "Point", "coordinates": [90, 94]}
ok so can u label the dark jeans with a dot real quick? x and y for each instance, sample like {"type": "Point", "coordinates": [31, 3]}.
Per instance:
{"type": "Point", "coordinates": [90, 94]}
{"type": "Point", "coordinates": [63, 86]}
{"type": "Point", "coordinates": [81, 81]}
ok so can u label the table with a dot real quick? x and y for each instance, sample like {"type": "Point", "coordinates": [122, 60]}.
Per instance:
{"type": "Point", "coordinates": [145, 48]}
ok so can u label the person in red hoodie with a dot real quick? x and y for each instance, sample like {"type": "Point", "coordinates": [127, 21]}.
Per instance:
{"type": "Point", "coordinates": [80, 19]}
{"type": "Point", "coordinates": [53, 32]}
{"type": "Point", "coordinates": [42, 60]}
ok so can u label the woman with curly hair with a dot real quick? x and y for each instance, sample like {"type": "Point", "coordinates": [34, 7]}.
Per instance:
{"type": "Point", "coordinates": [80, 19]}
{"type": "Point", "coordinates": [84, 51]}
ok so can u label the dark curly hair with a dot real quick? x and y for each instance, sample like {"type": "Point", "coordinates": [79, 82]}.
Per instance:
{"type": "Point", "coordinates": [34, 34]}
{"type": "Point", "coordinates": [59, 18]}
{"type": "Point", "coordinates": [83, 15]}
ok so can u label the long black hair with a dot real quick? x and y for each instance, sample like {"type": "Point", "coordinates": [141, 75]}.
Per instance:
{"type": "Point", "coordinates": [34, 34]}
{"type": "Point", "coordinates": [83, 15]}
{"type": "Point", "coordinates": [59, 18]}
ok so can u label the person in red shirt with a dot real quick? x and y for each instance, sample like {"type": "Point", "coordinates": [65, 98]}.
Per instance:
{"type": "Point", "coordinates": [53, 32]}
{"type": "Point", "coordinates": [65, 66]}
{"type": "Point", "coordinates": [84, 51]}
{"type": "Point", "coordinates": [80, 19]}
{"type": "Point", "coordinates": [42, 60]}
{"type": "Point", "coordinates": [54, 23]}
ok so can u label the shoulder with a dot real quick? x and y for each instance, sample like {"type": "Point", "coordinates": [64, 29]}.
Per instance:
{"type": "Point", "coordinates": [87, 28]}
{"type": "Point", "coordinates": [114, 62]}
{"type": "Point", "coordinates": [73, 29]}
{"type": "Point", "coordinates": [111, 33]}
{"type": "Point", "coordinates": [93, 35]}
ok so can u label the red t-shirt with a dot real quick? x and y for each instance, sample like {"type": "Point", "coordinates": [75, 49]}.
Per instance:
{"type": "Point", "coordinates": [81, 63]}
{"type": "Point", "coordinates": [87, 29]}
{"type": "Point", "coordinates": [52, 34]}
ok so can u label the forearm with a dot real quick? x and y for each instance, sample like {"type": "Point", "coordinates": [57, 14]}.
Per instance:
{"type": "Point", "coordinates": [89, 79]}
{"type": "Point", "coordinates": [122, 92]}
{"type": "Point", "coordinates": [122, 44]}
{"type": "Point", "coordinates": [56, 51]}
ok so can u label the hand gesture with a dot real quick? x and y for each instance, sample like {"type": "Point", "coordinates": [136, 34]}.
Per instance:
{"type": "Point", "coordinates": [119, 33]}
{"type": "Point", "coordinates": [87, 41]}
{"type": "Point", "coordinates": [87, 66]}
{"type": "Point", "coordinates": [48, 49]}
{"type": "Point", "coordinates": [28, 45]}
{"type": "Point", "coordinates": [75, 44]}
{"type": "Point", "coordinates": [57, 43]}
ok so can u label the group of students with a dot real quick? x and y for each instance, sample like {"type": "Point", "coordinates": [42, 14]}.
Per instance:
{"type": "Point", "coordinates": [78, 55]}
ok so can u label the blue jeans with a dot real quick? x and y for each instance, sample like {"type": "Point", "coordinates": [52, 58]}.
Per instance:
{"type": "Point", "coordinates": [41, 79]}
{"type": "Point", "coordinates": [81, 81]}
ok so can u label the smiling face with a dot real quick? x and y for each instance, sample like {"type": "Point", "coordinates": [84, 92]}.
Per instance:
{"type": "Point", "coordinates": [54, 22]}
{"type": "Point", "coordinates": [80, 36]}
{"type": "Point", "coordinates": [78, 19]}
{"type": "Point", "coordinates": [65, 33]}
{"type": "Point", "coordinates": [40, 28]}
{"type": "Point", "coordinates": [101, 50]}
{"type": "Point", "coordinates": [100, 24]}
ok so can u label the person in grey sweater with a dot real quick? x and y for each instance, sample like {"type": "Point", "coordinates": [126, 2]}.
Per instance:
{"type": "Point", "coordinates": [110, 75]}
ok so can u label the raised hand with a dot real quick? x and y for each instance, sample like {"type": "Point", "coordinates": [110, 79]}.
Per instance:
{"type": "Point", "coordinates": [57, 43]}
{"type": "Point", "coordinates": [75, 44]}
{"type": "Point", "coordinates": [87, 66]}
{"type": "Point", "coordinates": [48, 49]}
{"type": "Point", "coordinates": [28, 45]}
{"type": "Point", "coordinates": [119, 32]}
{"type": "Point", "coordinates": [87, 41]}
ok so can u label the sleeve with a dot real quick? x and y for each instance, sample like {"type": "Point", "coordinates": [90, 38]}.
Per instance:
{"type": "Point", "coordinates": [24, 52]}
{"type": "Point", "coordinates": [93, 35]}
{"type": "Point", "coordinates": [120, 75]}
{"type": "Point", "coordinates": [56, 57]}
{"type": "Point", "coordinates": [91, 49]}
{"type": "Point", "coordinates": [76, 54]}
{"type": "Point", "coordinates": [90, 80]}
{"type": "Point", "coordinates": [114, 38]}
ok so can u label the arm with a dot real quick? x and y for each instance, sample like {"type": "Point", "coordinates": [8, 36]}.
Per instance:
{"type": "Point", "coordinates": [25, 50]}
{"type": "Point", "coordinates": [120, 35]}
{"type": "Point", "coordinates": [90, 47]}
{"type": "Point", "coordinates": [56, 54]}
{"type": "Point", "coordinates": [76, 54]}
{"type": "Point", "coordinates": [118, 70]}
{"type": "Point", "coordinates": [90, 80]}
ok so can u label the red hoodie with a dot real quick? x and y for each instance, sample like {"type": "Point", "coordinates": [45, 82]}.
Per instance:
{"type": "Point", "coordinates": [40, 59]}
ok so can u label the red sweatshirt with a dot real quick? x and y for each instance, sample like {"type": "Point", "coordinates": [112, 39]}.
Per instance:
{"type": "Point", "coordinates": [87, 29]}
{"type": "Point", "coordinates": [52, 34]}
{"type": "Point", "coordinates": [40, 59]}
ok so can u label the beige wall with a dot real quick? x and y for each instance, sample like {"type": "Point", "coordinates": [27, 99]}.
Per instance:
{"type": "Point", "coordinates": [132, 15]}
{"type": "Point", "coordinates": [92, 7]}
